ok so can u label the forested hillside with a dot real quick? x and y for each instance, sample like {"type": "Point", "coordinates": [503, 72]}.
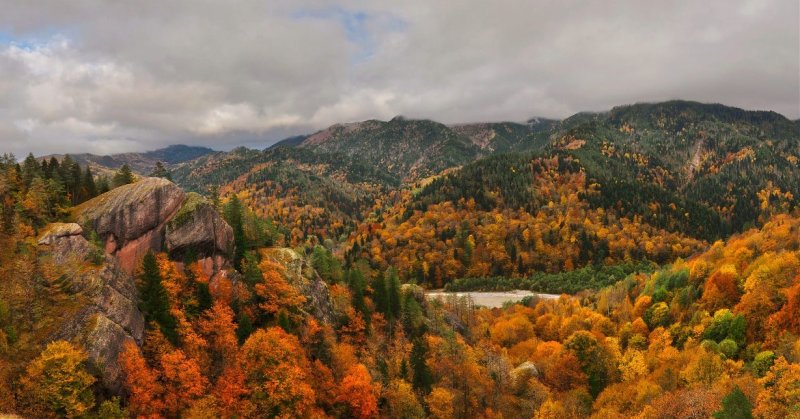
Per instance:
{"type": "Point", "coordinates": [142, 163]}
{"type": "Point", "coordinates": [712, 335]}
{"type": "Point", "coordinates": [651, 182]}
{"type": "Point", "coordinates": [291, 281]}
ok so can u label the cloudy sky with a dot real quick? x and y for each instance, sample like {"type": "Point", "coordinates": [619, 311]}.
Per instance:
{"type": "Point", "coordinates": [113, 76]}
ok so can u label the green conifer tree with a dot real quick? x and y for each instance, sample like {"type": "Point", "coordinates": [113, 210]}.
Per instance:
{"type": "Point", "coordinates": [154, 301]}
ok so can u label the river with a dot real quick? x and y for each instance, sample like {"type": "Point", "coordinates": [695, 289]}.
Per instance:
{"type": "Point", "coordinates": [490, 299]}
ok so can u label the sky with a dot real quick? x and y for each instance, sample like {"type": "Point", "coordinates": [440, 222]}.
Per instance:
{"type": "Point", "coordinates": [118, 76]}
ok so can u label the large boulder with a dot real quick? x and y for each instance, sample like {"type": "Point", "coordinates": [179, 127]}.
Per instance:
{"type": "Point", "coordinates": [130, 219]}
{"type": "Point", "coordinates": [154, 214]}
{"type": "Point", "coordinates": [131, 211]}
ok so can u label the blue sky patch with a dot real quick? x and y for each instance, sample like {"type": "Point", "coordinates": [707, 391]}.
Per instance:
{"type": "Point", "coordinates": [356, 25]}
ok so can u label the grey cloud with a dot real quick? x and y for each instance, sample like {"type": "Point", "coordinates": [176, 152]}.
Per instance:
{"type": "Point", "coordinates": [118, 76]}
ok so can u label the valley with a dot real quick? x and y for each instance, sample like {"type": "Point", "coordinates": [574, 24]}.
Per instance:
{"type": "Point", "coordinates": [638, 262]}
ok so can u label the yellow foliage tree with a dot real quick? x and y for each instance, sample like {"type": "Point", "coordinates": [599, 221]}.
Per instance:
{"type": "Point", "coordinates": [56, 382]}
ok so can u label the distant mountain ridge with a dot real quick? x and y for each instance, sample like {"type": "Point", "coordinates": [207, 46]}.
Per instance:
{"type": "Point", "coordinates": [142, 163]}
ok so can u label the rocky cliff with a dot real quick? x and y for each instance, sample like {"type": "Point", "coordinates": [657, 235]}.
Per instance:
{"type": "Point", "coordinates": [150, 215]}
{"type": "Point", "coordinates": [107, 313]}
{"type": "Point", "coordinates": [198, 228]}
{"type": "Point", "coordinates": [156, 215]}
{"type": "Point", "coordinates": [94, 262]}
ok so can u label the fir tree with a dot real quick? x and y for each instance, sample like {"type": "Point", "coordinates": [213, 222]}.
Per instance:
{"type": "Point", "coordinates": [55, 169]}
{"type": "Point", "coordinates": [76, 180]}
{"type": "Point", "coordinates": [123, 176]}
{"type": "Point", "coordinates": [234, 215]}
{"type": "Point", "coordinates": [88, 183]}
{"type": "Point", "coordinates": [393, 295]}
{"type": "Point", "coordinates": [422, 380]}
{"type": "Point", "coordinates": [379, 296]}
{"type": "Point", "coordinates": [103, 185]}
{"type": "Point", "coordinates": [245, 327]}
{"type": "Point", "coordinates": [154, 301]}
{"type": "Point", "coordinates": [30, 170]}
{"type": "Point", "coordinates": [251, 273]}
{"type": "Point", "coordinates": [161, 171]}
{"type": "Point", "coordinates": [357, 284]}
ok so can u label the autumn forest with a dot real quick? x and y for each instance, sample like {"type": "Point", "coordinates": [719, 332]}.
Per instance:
{"type": "Point", "coordinates": [292, 281]}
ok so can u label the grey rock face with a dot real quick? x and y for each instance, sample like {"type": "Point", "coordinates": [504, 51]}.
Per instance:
{"type": "Point", "coordinates": [198, 227]}
{"type": "Point", "coordinates": [130, 211]}
{"type": "Point", "coordinates": [109, 316]}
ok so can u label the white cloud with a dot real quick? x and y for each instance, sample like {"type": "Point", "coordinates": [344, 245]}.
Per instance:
{"type": "Point", "coordinates": [121, 76]}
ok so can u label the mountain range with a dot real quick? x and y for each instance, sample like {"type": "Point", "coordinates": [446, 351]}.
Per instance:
{"type": "Point", "coordinates": [689, 171]}
{"type": "Point", "coordinates": [293, 281]}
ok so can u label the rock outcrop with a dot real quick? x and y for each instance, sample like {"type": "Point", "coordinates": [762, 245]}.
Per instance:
{"type": "Point", "coordinates": [130, 219]}
{"type": "Point", "coordinates": [66, 242]}
{"type": "Point", "coordinates": [56, 231]}
{"type": "Point", "coordinates": [197, 227]}
{"type": "Point", "coordinates": [302, 276]}
{"type": "Point", "coordinates": [154, 214]}
{"type": "Point", "coordinates": [108, 313]}
{"type": "Point", "coordinates": [150, 215]}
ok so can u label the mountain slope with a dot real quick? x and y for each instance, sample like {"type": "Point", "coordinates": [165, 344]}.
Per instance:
{"type": "Point", "coordinates": [696, 170]}
{"type": "Point", "coordinates": [141, 163]}
{"type": "Point", "coordinates": [648, 181]}
{"type": "Point", "coordinates": [408, 149]}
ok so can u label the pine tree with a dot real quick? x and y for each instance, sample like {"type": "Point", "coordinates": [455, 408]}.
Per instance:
{"type": "Point", "coordinates": [422, 380]}
{"type": "Point", "coordinates": [154, 301]}
{"type": "Point", "coordinates": [234, 215]}
{"type": "Point", "coordinates": [103, 185]}
{"type": "Point", "coordinates": [55, 169]}
{"type": "Point", "coordinates": [30, 170]}
{"type": "Point", "coordinates": [735, 406]}
{"type": "Point", "coordinates": [161, 171]}
{"type": "Point", "coordinates": [204, 298]}
{"type": "Point", "coordinates": [76, 180]}
{"type": "Point", "coordinates": [393, 295]}
{"type": "Point", "coordinates": [245, 327]}
{"type": "Point", "coordinates": [123, 176]}
{"type": "Point", "coordinates": [379, 296]}
{"type": "Point", "coordinates": [88, 183]}
{"type": "Point", "coordinates": [47, 171]}
{"type": "Point", "coordinates": [251, 273]}
{"type": "Point", "coordinates": [357, 284]}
